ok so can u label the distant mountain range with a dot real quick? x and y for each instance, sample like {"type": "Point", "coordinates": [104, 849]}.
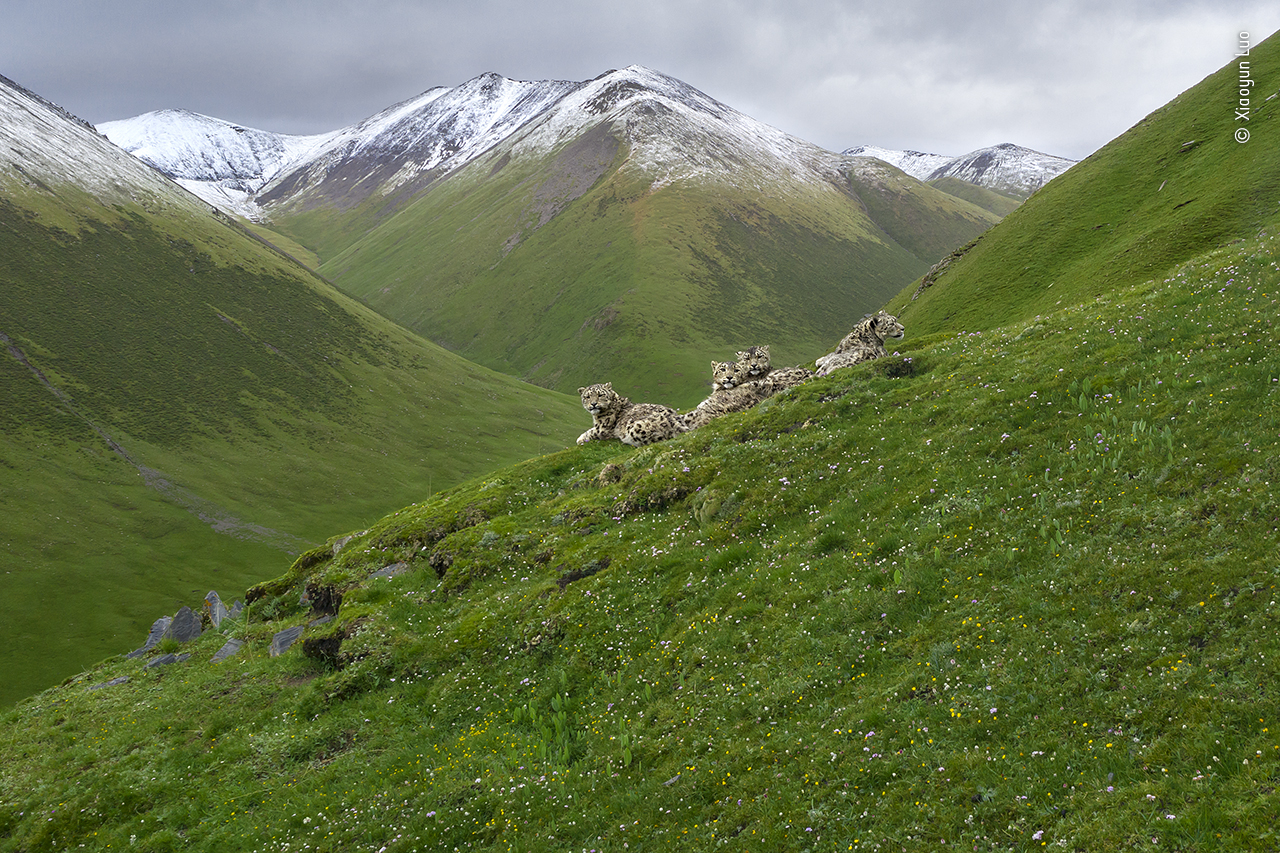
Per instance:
{"type": "Point", "coordinates": [568, 232]}
{"type": "Point", "coordinates": [419, 140]}
{"type": "Point", "coordinates": [1007, 169]}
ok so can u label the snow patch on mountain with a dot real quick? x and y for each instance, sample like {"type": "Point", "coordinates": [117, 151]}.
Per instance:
{"type": "Point", "coordinates": [221, 162]}
{"type": "Point", "coordinates": [1006, 168]}
{"type": "Point", "coordinates": [675, 133]}
{"type": "Point", "coordinates": [43, 147]}
{"type": "Point", "coordinates": [917, 164]}
{"type": "Point", "coordinates": [431, 134]}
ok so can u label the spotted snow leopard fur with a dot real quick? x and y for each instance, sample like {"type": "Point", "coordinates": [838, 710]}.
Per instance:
{"type": "Point", "coordinates": [728, 394]}
{"type": "Point", "coordinates": [761, 371]}
{"type": "Point", "coordinates": [837, 360]}
{"type": "Point", "coordinates": [864, 343]}
{"type": "Point", "coordinates": [614, 416]}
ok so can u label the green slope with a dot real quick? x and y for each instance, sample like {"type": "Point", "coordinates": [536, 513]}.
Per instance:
{"type": "Point", "coordinates": [987, 199]}
{"type": "Point", "coordinates": [167, 377]}
{"type": "Point", "coordinates": [1174, 185]}
{"type": "Point", "coordinates": [1011, 590]}
{"type": "Point", "coordinates": [571, 270]}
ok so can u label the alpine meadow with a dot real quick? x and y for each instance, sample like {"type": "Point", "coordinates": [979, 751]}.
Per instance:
{"type": "Point", "coordinates": [1013, 586]}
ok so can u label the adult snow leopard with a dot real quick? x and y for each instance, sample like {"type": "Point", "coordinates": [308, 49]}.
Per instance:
{"type": "Point", "coordinates": [728, 394]}
{"type": "Point", "coordinates": [614, 416]}
{"type": "Point", "coordinates": [866, 342]}
{"type": "Point", "coordinates": [761, 371]}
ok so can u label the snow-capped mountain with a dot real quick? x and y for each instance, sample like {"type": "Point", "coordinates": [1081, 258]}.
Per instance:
{"type": "Point", "coordinates": [43, 148]}
{"type": "Point", "coordinates": [672, 130]}
{"type": "Point", "coordinates": [410, 145]}
{"type": "Point", "coordinates": [223, 163]}
{"type": "Point", "coordinates": [917, 164]}
{"type": "Point", "coordinates": [1005, 168]}
{"type": "Point", "coordinates": [675, 132]}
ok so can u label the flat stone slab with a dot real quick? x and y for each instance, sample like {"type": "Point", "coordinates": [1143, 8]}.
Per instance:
{"type": "Point", "coordinates": [158, 628]}
{"type": "Point", "coordinates": [284, 639]}
{"type": "Point", "coordinates": [390, 571]}
{"type": "Point", "coordinates": [215, 608]}
{"type": "Point", "coordinates": [228, 649]}
{"type": "Point", "coordinates": [112, 683]}
{"type": "Point", "coordinates": [165, 660]}
{"type": "Point", "coordinates": [184, 627]}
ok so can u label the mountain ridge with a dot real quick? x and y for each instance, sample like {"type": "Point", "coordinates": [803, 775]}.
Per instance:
{"type": "Point", "coordinates": [446, 127]}
{"type": "Point", "coordinates": [1005, 168]}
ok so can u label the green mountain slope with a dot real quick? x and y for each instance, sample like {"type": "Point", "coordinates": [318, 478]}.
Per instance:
{"type": "Point", "coordinates": [987, 199]}
{"type": "Point", "coordinates": [959, 595]}
{"type": "Point", "coordinates": [570, 269]}
{"type": "Point", "coordinates": [1173, 186]}
{"type": "Point", "coordinates": [1015, 588]}
{"type": "Point", "coordinates": [182, 402]}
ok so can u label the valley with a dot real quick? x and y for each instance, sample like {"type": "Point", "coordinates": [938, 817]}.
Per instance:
{"type": "Point", "coordinates": [1012, 585]}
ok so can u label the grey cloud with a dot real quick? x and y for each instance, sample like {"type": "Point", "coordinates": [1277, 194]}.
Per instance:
{"type": "Point", "coordinates": [1063, 77]}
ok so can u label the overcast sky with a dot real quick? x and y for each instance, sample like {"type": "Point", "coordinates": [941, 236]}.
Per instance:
{"type": "Point", "coordinates": [941, 76]}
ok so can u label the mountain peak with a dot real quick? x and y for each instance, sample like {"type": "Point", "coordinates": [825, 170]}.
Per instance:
{"type": "Point", "coordinates": [43, 147]}
{"type": "Point", "coordinates": [1006, 168]}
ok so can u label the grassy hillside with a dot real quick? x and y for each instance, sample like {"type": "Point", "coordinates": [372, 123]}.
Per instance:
{"type": "Point", "coordinates": [1011, 590]}
{"type": "Point", "coordinates": [586, 273]}
{"type": "Point", "coordinates": [183, 404]}
{"type": "Point", "coordinates": [1176, 184]}
{"type": "Point", "coordinates": [987, 199]}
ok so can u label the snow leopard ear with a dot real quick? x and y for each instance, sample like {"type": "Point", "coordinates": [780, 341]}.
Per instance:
{"type": "Point", "coordinates": [742, 356]}
{"type": "Point", "coordinates": [580, 390]}
{"type": "Point", "coordinates": [608, 386]}
{"type": "Point", "coordinates": [764, 350]}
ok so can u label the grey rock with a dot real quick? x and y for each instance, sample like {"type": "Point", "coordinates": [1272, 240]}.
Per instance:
{"type": "Point", "coordinates": [165, 660]}
{"type": "Point", "coordinates": [236, 609]}
{"type": "Point", "coordinates": [390, 571]}
{"type": "Point", "coordinates": [339, 544]}
{"type": "Point", "coordinates": [158, 628]}
{"type": "Point", "coordinates": [215, 608]}
{"type": "Point", "coordinates": [112, 683]}
{"type": "Point", "coordinates": [320, 621]}
{"type": "Point", "coordinates": [284, 639]}
{"type": "Point", "coordinates": [184, 627]}
{"type": "Point", "coordinates": [228, 649]}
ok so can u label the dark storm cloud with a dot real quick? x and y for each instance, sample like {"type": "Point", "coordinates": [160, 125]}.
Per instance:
{"type": "Point", "coordinates": [945, 77]}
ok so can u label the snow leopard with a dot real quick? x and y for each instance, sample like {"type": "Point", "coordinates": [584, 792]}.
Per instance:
{"type": "Point", "coordinates": [849, 358]}
{"type": "Point", "coordinates": [728, 394]}
{"type": "Point", "coordinates": [867, 337]}
{"type": "Point", "coordinates": [614, 416]}
{"type": "Point", "coordinates": [759, 368]}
